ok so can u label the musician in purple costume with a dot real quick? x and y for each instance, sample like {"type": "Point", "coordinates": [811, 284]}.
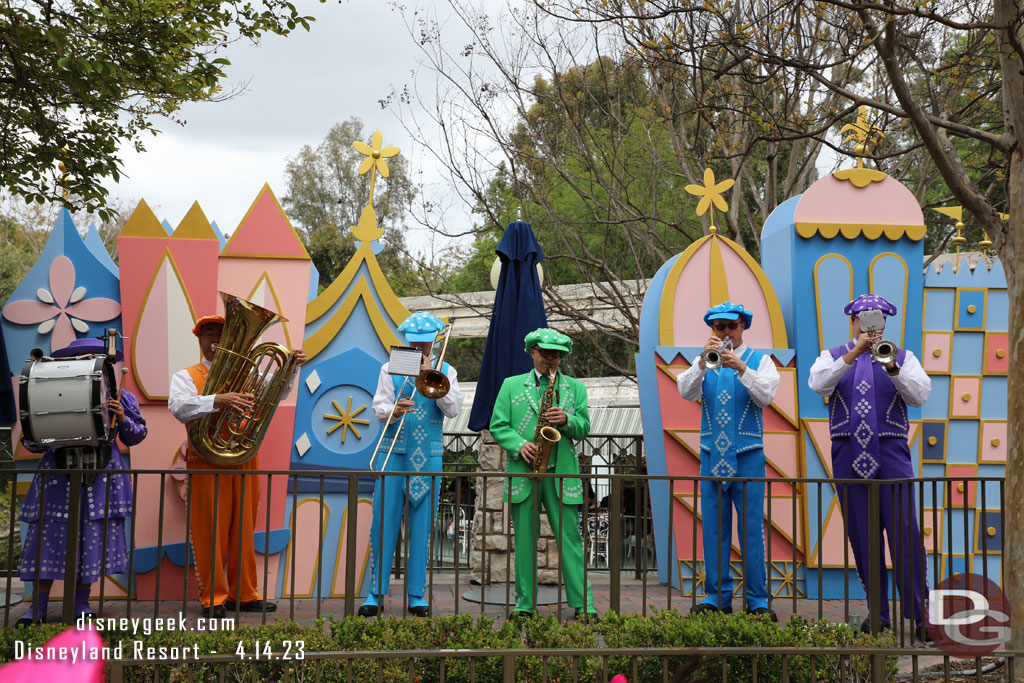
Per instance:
{"type": "Point", "coordinates": [869, 429]}
{"type": "Point", "coordinates": [97, 491]}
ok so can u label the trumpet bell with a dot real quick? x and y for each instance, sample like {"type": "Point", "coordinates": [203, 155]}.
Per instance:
{"type": "Point", "coordinates": [712, 359]}
{"type": "Point", "coordinates": [433, 384]}
{"type": "Point", "coordinates": [884, 351]}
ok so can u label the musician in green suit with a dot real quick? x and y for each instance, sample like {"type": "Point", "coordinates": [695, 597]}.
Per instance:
{"type": "Point", "coordinates": [513, 424]}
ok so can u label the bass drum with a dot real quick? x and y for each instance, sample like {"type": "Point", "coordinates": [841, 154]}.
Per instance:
{"type": "Point", "coordinates": [63, 402]}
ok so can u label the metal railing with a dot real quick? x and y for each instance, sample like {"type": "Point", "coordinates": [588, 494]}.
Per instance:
{"type": "Point", "coordinates": [618, 547]}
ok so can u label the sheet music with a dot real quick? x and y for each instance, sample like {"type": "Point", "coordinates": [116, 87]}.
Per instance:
{"type": "Point", "coordinates": [405, 360]}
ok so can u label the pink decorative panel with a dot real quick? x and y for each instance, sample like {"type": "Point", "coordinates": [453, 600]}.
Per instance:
{"type": "Point", "coordinates": [937, 352]}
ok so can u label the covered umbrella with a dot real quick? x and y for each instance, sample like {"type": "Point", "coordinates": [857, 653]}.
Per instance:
{"type": "Point", "coordinates": [518, 310]}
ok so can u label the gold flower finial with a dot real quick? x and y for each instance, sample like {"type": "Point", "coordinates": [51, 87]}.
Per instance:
{"type": "Point", "coordinates": [710, 194]}
{"type": "Point", "coordinates": [375, 158]}
{"type": "Point", "coordinates": [864, 133]}
{"type": "Point", "coordinates": [374, 163]}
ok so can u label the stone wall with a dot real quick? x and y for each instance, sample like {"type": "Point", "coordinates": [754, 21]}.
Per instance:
{"type": "Point", "coordinates": [491, 559]}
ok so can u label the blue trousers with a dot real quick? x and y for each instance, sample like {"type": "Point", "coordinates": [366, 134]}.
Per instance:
{"type": "Point", "coordinates": [389, 498]}
{"type": "Point", "coordinates": [717, 503]}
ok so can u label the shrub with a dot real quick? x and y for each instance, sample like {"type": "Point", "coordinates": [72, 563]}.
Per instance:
{"type": "Point", "coordinates": [659, 629]}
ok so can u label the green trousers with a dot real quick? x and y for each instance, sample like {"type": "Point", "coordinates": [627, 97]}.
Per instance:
{"type": "Point", "coordinates": [526, 521]}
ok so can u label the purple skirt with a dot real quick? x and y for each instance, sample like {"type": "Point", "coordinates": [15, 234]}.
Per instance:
{"type": "Point", "coordinates": [92, 562]}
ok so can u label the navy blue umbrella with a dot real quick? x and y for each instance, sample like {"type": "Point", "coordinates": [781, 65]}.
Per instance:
{"type": "Point", "coordinates": [518, 310]}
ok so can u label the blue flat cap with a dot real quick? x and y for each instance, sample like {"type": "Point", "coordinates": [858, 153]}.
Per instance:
{"type": "Point", "coordinates": [729, 311]}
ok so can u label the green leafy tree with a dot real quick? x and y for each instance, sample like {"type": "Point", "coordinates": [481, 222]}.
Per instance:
{"type": "Point", "coordinates": [88, 76]}
{"type": "Point", "coordinates": [326, 194]}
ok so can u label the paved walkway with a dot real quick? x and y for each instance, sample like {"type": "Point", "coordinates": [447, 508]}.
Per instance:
{"type": "Point", "coordinates": [635, 597]}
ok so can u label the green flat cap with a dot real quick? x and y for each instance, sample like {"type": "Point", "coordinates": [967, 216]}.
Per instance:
{"type": "Point", "coordinates": [547, 338]}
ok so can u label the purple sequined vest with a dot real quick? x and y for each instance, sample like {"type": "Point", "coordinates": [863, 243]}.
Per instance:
{"type": "Point", "coordinates": [883, 395]}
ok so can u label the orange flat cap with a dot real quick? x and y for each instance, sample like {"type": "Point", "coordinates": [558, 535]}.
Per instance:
{"type": "Point", "coordinates": [207, 320]}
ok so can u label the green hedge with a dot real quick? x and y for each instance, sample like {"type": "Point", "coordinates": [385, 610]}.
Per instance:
{"type": "Point", "coordinates": [660, 629]}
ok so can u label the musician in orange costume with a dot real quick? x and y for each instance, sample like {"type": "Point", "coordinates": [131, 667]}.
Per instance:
{"type": "Point", "coordinates": [224, 583]}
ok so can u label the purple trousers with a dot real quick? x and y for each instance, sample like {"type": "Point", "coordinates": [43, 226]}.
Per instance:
{"type": "Point", "coordinates": [898, 519]}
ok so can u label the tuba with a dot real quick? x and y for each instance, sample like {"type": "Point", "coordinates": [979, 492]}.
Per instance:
{"type": "Point", "coordinates": [230, 437]}
{"type": "Point", "coordinates": [545, 436]}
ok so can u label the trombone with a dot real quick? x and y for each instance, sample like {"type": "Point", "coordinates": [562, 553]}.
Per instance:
{"type": "Point", "coordinates": [432, 383]}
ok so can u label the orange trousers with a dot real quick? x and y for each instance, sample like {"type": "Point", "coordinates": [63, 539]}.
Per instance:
{"type": "Point", "coordinates": [222, 526]}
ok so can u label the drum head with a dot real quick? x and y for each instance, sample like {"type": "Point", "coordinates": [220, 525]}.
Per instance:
{"type": "Point", "coordinates": [63, 401]}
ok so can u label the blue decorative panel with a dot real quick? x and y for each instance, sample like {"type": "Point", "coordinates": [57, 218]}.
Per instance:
{"type": "Point", "coordinates": [962, 448]}
{"type": "Point", "coordinates": [997, 311]}
{"type": "Point", "coordinates": [889, 278]}
{"type": "Point", "coordinates": [938, 309]}
{"type": "Point", "coordinates": [970, 310]}
{"type": "Point", "coordinates": [933, 452]}
{"type": "Point", "coordinates": [968, 352]}
{"type": "Point", "coordinates": [993, 398]}
{"type": "Point", "coordinates": [937, 407]}
{"type": "Point", "coordinates": [990, 531]}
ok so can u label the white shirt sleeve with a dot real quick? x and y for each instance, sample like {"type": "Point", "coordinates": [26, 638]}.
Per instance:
{"type": "Point", "coordinates": [384, 397]}
{"type": "Point", "coordinates": [451, 403]}
{"type": "Point", "coordinates": [184, 400]}
{"type": "Point", "coordinates": [912, 381]}
{"type": "Point", "coordinates": [690, 381]}
{"type": "Point", "coordinates": [826, 373]}
{"type": "Point", "coordinates": [762, 384]}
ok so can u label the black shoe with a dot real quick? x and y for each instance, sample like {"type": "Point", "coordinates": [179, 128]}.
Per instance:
{"type": "Point", "coordinates": [254, 606]}
{"type": "Point", "coordinates": [520, 614]}
{"type": "Point", "coordinates": [586, 617]}
{"type": "Point", "coordinates": [215, 612]}
{"type": "Point", "coordinates": [865, 626]}
{"type": "Point", "coordinates": [369, 610]}
{"type": "Point", "coordinates": [27, 621]}
{"type": "Point", "coordinates": [706, 607]}
{"type": "Point", "coordinates": [420, 611]}
{"type": "Point", "coordinates": [764, 610]}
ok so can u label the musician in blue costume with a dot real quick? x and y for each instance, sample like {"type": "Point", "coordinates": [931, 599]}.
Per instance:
{"type": "Point", "coordinates": [419, 448]}
{"type": "Point", "coordinates": [869, 428]}
{"type": "Point", "coordinates": [106, 503]}
{"type": "Point", "coordinates": [731, 445]}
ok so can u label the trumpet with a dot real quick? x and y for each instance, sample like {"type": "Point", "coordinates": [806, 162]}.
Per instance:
{"type": "Point", "coordinates": [432, 383]}
{"type": "Point", "coordinates": [884, 351]}
{"type": "Point", "coordinates": [712, 358]}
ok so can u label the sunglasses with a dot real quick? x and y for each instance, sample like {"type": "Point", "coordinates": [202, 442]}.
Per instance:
{"type": "Point", "coordinates": [722, 327]}
{"type": "Point", "coordinates": [548, 353]}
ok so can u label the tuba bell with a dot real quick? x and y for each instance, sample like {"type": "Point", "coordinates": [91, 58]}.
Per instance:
{"type": "Point", "coordinates": [230, 437]}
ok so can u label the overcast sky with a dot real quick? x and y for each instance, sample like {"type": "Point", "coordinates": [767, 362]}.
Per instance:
{"type": "Point", "coordinates": [299, 86]}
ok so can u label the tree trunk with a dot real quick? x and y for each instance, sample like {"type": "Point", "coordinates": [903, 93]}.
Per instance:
{"type": "Point", "coordinates": [1008, 13]}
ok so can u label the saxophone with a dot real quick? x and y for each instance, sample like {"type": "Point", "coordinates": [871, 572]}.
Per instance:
{"type": "Point", "coordinates": [545, 436]}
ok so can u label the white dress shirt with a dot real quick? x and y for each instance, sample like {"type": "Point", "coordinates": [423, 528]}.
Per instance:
{"type": "Point", "coordinates": [384, 398]}
{"type": "Point", "coordinates": [762, 384]}
{"type": "Point", "coordinates": [912, 381]}
{"type": "Point", "coordinates": [187, 405]}
{"type": "Point", "coordinates": [184, 401]}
